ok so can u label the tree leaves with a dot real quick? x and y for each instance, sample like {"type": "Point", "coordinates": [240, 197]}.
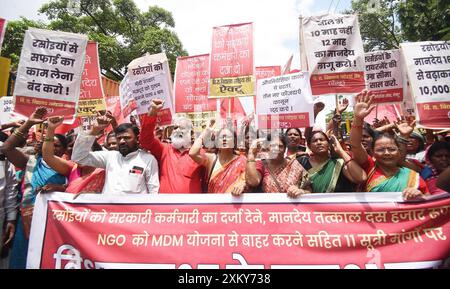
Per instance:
{"type": "Point", "coordinates": [13, 41]}
{"type": "Point", "coordinates": [387, 24]}
{"type": "Point", "coordinates": [121, 29]}
{"type": "Point", "coordinates": [378, 25]}
{"type": "Point", "coordinates": [425, 20]}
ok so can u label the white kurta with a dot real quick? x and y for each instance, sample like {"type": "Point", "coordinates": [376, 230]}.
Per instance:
{"type": "Point", "coordinates": [136, 173]}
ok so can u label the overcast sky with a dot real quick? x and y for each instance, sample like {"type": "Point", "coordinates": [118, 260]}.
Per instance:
{"type": "Point", "coordinates": [275, 21]}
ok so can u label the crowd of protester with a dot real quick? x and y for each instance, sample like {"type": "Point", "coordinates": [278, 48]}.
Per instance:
{"type": "Point", "coordinates": [375, 157]}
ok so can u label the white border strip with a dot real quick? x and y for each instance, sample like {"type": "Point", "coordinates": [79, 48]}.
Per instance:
{"type": "Point", "coordinates": [392, 197]}
{"type": "Point", "coordinates": [36, 240]}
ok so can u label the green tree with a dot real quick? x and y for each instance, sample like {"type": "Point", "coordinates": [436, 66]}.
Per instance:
{"type": "Point", "coordinates": [380, 29]}
{"type": "Point", "coordinates": [425, 20]}
{"type": "Point", "coordinates": [15, 32]}
{"type": "Point", "coordinates": [384, 24]}
{"type": "Point", "coordinates": [121, 29]}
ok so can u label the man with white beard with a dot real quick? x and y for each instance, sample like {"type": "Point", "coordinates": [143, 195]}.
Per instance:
{"type": "Point", "coordinates": [179, 174]}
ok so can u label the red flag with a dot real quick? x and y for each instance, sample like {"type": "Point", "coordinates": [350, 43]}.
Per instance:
{"type": "Point", "coordinates": [231, 106]}
{"type": "Point", "coordinates": [390, 111]}
{"type": "Point", "coordinates": [113, 105]}
{"type": "Point", "coordinates": [2, 31]}
{"type": "Point", "coordinates": [65, 127]}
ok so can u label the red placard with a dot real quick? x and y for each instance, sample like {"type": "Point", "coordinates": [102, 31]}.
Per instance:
{"type": "Point", "coordinates": [390, 111]}
{"type": "Point", "coordinates": [191, 85]}
{"type": "Point", "coordinates": [434, 114]}
{"type": "Point", "coordinates": [2, 31]}
{"type": "Point", "coordinates": [27, 105]}
{"type": "Point", "coordinates": [352, 82]}
{"type": "Point", "coordinates": [91, 97]}
{"type": "Point", "coordinates": [231, 63]}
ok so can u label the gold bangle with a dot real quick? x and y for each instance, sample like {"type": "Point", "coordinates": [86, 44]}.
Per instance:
{"type": "Point", "coordinates": [251, 161]}
{"type": "Point", "coordinates": [48, 139]}
{"type": "Point", "coordinates": [19, 134]}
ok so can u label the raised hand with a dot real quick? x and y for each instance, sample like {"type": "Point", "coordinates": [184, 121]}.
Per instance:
{"type": "Point", "coordinates": [247, 120]}
{"type": "Point", "coordinates": [256, 146]}
{"type": "Point", "coordinates": [342, 106]}
{"type": "Point", "coordinates": [329, 133]}
{"type": "Point", "coordinates": [337, 118]}
{"type": "Point", "coordinates": [112, 119]}
{"type": "Point", "coordinates": [405, 128]}
{"type": "Point", "coordinates": [251, 117]}
{"type": "Point", "coordinates": [376, 123]}
{"type": "Point", "coordinates": [109, 115]}
{"type": "Point", "coordinates": [100, 124]}
{"type": "Point", "coordinates": [318, 107]}
{"type": "Point", "coordinates": [337, 145]}
{"type": "Point", "coordinates": [155, 107]}
{"type": "Point", "coordinates": [386, 127]}
{"type": "Point", "coordinates": [208, 133]}
{"type": "Point", "coordinates": [212, 122]}
{"type": "Point", "coordinates": [55, 121]}
{"type": "Point", "coordinates": [363, 106]}
{"type": "Point", "coordinates": [37, 116]}
{"type": "Point", "coordinates": [209, 129]}
{"type": "Point", "coordinates": [103, 121]}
